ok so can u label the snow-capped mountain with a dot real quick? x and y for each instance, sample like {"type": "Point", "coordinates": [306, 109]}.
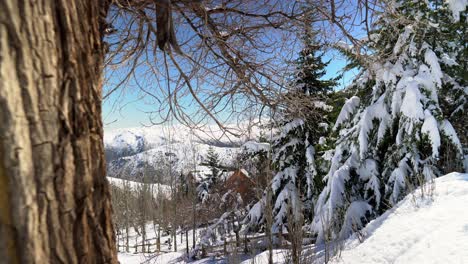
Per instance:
{"type": "Point", "coordinates": [134, 152]}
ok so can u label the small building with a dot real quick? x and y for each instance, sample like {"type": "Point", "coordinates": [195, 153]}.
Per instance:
{"type": "Point", "coordinates": [240, 182]}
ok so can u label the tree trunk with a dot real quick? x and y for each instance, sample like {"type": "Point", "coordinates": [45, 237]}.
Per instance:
{"type": "Point", "coordinates": [143, 237]}
{"type": "Point", "coordinates": [194, 224]}
{"type": "Point", "coordinates": [224, 247]}
{"type": "Point", "coordinates": [186, 241]}
{"type": "Point", "coordinates": [175, 239]}
{"type": "Point", "coordinates": [127, 249]}
{"type": "Point", "coordinates": [158, 242]}
{"type": "Point", "coordinates": [246, 249]}
{"type": "Point", "coordinates": [237, 229]}
{"type": "Point", "coordinates": [55, 202]}
{"type": "Point", "coordinates": [175, 225]}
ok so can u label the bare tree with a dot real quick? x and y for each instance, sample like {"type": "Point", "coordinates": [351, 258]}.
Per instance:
{"type": "Point", "coordinates": [123, 206]}
{"type": "Point", "coordinates": [143, 210]}
{"type": "Point", "coordinates": [118, 214]}
{"type": "Point", "coordinates": [230, 56]}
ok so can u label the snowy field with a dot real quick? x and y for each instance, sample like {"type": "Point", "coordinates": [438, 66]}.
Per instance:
{"type": "Point", "coordinates": [433, 229]}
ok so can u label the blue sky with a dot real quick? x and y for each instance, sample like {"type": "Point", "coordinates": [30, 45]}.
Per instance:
{"type": "Point", "coordinates": [128, 108]}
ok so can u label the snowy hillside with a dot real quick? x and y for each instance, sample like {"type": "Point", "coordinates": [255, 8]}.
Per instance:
{"type": "Point", "coordinates": [132, 150]}
{"type": "Point", "coordinates": [158, 135]}
{"type": "Point", "coordinates": [181, 154]}
{"type": "Point", "coordinates": [156, 189]}
{"type": "Point", "coordinates": [418, 230]}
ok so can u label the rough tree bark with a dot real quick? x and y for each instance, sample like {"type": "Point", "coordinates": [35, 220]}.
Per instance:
{"type": "Point", "coordinates": [54, 199]}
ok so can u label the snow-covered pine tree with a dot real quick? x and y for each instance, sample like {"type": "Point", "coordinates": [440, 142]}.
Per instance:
{"type": "Point", "coordinates": [301, 122]}
{"type": "Point", "coordinates": [451, 38]}
{"type": "Point", "coordinates": [212, 161]}
{"type": "Point", "coordinates": [207, 186]}
{"type": "Point", "coordinates": [390, 138]}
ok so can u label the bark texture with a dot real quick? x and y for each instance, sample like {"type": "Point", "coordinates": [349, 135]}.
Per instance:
{"type": "Point", "coordinates": [54, 198]}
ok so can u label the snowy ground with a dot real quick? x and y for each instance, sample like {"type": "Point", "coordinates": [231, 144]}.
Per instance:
{"type": "Point", "coordinates": [167, 256]}
{"type": "Point", "coordinates": [418, 230]}
{"type": "Point", "coordinates": [279, 256]}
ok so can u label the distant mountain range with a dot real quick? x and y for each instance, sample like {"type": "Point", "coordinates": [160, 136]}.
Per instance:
{"type": "Point", "coordinates": [158, 151]}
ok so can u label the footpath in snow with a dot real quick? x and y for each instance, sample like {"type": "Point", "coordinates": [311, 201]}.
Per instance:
{"type": "Point", "coordinates": [418, 230]}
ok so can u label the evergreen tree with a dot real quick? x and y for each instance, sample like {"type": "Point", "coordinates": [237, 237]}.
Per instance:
{"type": "Point", "coordinates": [302, 121]}
{"type": "Point", "coordinates": [390, 139]}
{"type": "Point", "coordinates": [451, 39]}
{"type": "Point", "coordinates": [212, 161]}
{"type": "Point", "coordinates": [310, 69]}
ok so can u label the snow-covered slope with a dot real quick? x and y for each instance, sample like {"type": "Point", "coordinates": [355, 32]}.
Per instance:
{"type": "Point", "coordinates": [131, 151]}
{"type": "Point", "coordinates": [418, 230]}
{"type": "Point", "coordinates": [156, 189]}
{"type": "Point", "coordinates": [158, 135]}
{"type": "Point", "coordinates": [182, 155]}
